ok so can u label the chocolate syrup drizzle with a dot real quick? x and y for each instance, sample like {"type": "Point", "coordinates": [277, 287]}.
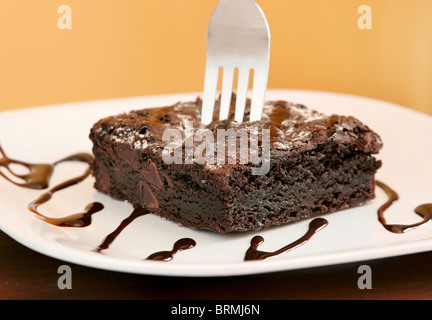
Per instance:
{"type": "Point", "coordinates": [424, 211]}
{"type": "Point", "coordinates": [136, 213]}
{"type": "Point", "coordinates": [179, 245]}
{"type": "Point", "coordinates": [36, 178]}
{"type": "Point", "coordinates": [254, 254]}
{"type": "Point", "coordinates": [39, 175]}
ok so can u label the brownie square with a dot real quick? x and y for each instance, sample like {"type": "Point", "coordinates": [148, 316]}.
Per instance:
{"type": "Point", "coordinates": [309, 164]}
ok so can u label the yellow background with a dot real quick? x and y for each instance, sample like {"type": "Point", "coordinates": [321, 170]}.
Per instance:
{"type": "Point", "coordinates": [119, 48]}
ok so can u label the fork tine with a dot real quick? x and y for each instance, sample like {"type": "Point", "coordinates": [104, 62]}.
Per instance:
{"type": "Point", "coordinates": [227, 87]}
{"type": "Point", "coordinates": [258, 93]}
{"type": "Point", "coordinates": [242, 90]}
{"type": "Point", "coordinates": [238, 37]}
{"type": "Point", "coordinates": [209, 95]}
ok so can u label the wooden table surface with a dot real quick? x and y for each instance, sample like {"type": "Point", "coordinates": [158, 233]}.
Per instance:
{"type": "Point", "coordinates": [25, 274]}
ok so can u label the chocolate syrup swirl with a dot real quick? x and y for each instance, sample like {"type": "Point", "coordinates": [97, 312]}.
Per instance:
{"type": "Point", "coordinates": [77, 220]}
{"type": "Point", "coordinates": [254, 254]}
{"type": "Point", "coordinates": [423, 210]}
{"type": "Point", "coordinates": [180, 245]}
{"type": "Point", "coordinates": [38, 177]}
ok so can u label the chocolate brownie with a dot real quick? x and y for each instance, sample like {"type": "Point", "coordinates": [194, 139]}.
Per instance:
{"type": "Point", "coordinates": [316, 164]}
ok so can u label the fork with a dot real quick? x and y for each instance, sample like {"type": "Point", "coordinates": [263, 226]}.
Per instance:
{"type": "Point", "coordinates": [238, 38]}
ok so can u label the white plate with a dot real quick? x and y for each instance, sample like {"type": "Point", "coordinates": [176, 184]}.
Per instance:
{"type": "Point", "coordinates": [46, 134]}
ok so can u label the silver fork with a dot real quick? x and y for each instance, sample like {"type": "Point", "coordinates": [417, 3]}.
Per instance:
{"type": "Point", "coordinates": [238, 37]}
